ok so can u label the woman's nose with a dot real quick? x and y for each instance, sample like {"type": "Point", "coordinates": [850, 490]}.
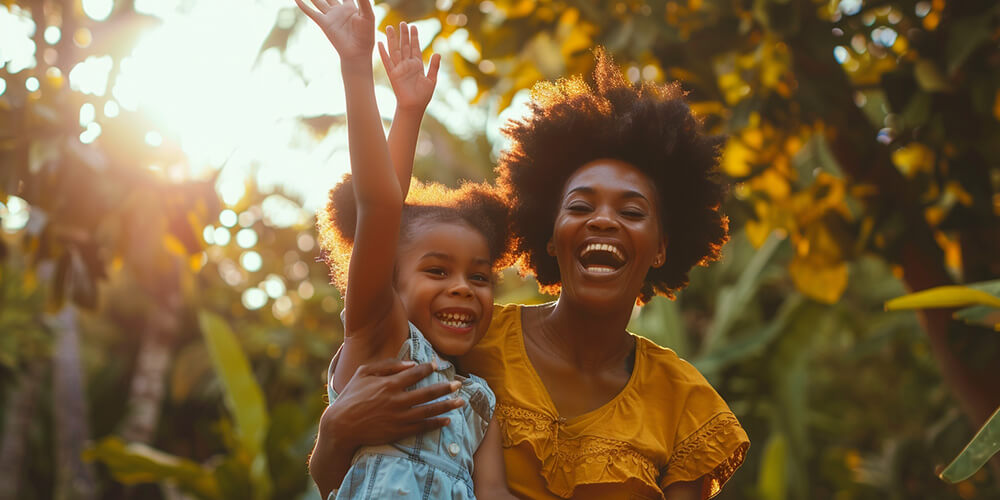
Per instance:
{"type": "Point", "coordinates": [601, 219]}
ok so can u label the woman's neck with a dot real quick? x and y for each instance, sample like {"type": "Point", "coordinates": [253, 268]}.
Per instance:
{"type": "Point", "coordinates": [588, 339]}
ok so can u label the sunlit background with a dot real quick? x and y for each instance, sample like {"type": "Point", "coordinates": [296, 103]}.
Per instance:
{"type": "Point", "coordinates": [166, 324]}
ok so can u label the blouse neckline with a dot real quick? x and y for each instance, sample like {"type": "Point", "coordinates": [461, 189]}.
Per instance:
{"type": "Point", "coordinates": [550, 406]}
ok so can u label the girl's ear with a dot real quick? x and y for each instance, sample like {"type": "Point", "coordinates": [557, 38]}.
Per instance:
{"type": "Point", "coordinates": [550, 247]}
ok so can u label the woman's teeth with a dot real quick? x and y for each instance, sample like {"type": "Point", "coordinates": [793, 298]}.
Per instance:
{"type": "Point", "coordinates": [603, 247]}
{"type": "Point", "coordinates": [600, 269]}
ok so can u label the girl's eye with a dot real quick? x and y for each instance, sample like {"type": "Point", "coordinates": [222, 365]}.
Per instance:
{"type": "Point", "coordinates": [436, 271]}
{"type": "Point", "coordinates": [481, 277]}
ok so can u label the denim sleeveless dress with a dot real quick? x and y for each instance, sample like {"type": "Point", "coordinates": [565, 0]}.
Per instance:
{"type": "Point", "coordinates": [435, 464]}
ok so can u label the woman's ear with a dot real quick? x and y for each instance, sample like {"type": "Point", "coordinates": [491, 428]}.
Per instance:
{"type": "Point", "coordinates": [661, 254]}
{"type": "Point", "coordinates": [550, 247]}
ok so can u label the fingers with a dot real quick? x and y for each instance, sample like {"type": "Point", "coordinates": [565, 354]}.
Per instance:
{"type": "Point", "coordinates": [432, 410]}
{"type": "Point", "coordinates": [365, 6]}
{"type": "Point", "coordinates": [414, 43]}
{"type": "Point", "coordinates": [386, 61]}
{"type": "Point", "coordinates": [426, 394]}
{"type": "Point", "coordinates": [432, 69]}
{"type": "Point", "coordinates": [412, 375]}
{"type": "Point", "coordinates": [404, 40]}
{"type": "Point", "coordinates": [392, 38]}
{"type": "Point", "coordinates": [309, 11]}
{"type": "Point", "coordinates": [322, 5]}
{"type": "Point", "coordinates": [386, 367]}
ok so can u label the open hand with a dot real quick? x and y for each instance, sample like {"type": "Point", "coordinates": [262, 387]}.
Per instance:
{"type": "Point", "coordinates": [349, 27]}
{"type": "Point", "coordinates": [405, 67]}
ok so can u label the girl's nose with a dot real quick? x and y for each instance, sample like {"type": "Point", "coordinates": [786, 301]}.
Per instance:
{"type": "Point", "coordinates": [460, 288]}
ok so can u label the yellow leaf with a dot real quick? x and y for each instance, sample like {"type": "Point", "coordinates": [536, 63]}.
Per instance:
{"type": "Point", "coordinates": [913, 158]}
{"type": "Point", "coordinates": [757, 232]}
{"type": "Point", "coordinates": [819, 279]}
{"type": "Point", "coordinates": [736, 157]}
{"type": "Point", "coordinates": [943, 296]}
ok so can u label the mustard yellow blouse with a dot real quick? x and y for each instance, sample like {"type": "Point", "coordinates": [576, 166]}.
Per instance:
{"type": "Point", "coordinates": [666, 425]}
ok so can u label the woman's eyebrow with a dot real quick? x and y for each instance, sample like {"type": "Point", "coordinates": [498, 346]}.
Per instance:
{"type": "Point", "coordinates": [630, 193]}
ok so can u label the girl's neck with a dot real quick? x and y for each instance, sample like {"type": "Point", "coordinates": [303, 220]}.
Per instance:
{"type": "Point", "coordinates": [587, 339]}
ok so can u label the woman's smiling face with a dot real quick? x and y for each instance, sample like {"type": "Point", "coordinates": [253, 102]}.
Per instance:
{"type": "Point", "coordinates": [607, 234]}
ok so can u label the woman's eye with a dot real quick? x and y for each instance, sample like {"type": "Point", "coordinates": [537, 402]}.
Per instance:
{"type": "Point", "coordinates": [578, 207]}
{"type": "Point", "coordinates": [633, 213]}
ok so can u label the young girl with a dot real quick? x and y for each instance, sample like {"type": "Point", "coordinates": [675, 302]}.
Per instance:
{"type": "Point", "coordinates": [418, 275]}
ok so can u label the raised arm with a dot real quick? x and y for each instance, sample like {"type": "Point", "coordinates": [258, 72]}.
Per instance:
{"type": "Point", "coordinates": [369, 296]}
{"type": "Point", "coordinates": [405, 67]}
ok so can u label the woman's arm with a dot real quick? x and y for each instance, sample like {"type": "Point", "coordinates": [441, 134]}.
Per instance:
{"type": "Point", "coordinates": [685, 490]}
{"type": "Point", "coordinates": [375, 408]}
{"type": "Point", "coordinates": [488, 476]}
{"type": "Point", "coordinates": [404, 64]}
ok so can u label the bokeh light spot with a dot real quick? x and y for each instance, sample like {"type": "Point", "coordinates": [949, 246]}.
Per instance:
{"type": "Point", "coordinates": [14, 214]}
{"type": "Point", "coordinates": [208, 234]}
{"type": "Point", "coordinates": [306, 242]}
{"type": "Point", "coordinates": [87, 114]}
{"type": "Point", "coordinates": [274, 286]}
{"type": "Point", "coordinates": [98, 10]}
{"type": "Point", "coordinates": [52, 35]}
{"type": "Point", "coordinates": [91, 75]}
{"type": "Point", "coordinates": [228, 218]}
{"type": "Point", "coordinates": [222, 236]}
{"type": "Point", "coordinates": [306, 290]}
{"type": "Point", "coordinates": [251, 261]}
{"type": "Point", "coordinates": [246, 238]}
{"type": "Point", "coordinates": [32, 84]}
{"type": "Point", "coordinates": [111, 109]}
{"type": "Point", "coordinates": [91, 133]}
{"type": "Point", "coordinates": [254, 298]}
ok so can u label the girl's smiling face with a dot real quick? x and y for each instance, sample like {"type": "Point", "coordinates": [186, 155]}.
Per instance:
{"type": "Point", "coordinates": [444, 278]}
{"type": "Point", "coordinates": [607, 233]}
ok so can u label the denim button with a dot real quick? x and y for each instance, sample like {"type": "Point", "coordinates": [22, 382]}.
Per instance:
{"type": "Point", "coordinates": [453, 449]}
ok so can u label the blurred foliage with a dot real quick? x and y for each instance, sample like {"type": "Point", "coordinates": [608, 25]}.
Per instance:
{"type": "Point", "coordinates": [858, 131]}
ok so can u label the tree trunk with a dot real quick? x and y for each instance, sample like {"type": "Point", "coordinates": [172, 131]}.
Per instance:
{"type": "Point", "coordinates": [17, 420]}
{"type": "Point", "coordinates": [148, 383]}
{"type": "Point", "coordinates": [74, 478]}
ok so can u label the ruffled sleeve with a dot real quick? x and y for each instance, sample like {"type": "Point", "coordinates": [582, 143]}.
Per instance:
{"type": "Point", "coordinates": [714, 449]}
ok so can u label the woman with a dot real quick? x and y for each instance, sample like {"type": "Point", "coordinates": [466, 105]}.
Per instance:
{"type": "Point", "coordinates": [615, 199]}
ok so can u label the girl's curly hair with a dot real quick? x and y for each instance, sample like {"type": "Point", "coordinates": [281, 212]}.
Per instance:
{"type": "Point", "coordinates": [647, 125]}
{"type": "Point", "coordinates": [476, 205]}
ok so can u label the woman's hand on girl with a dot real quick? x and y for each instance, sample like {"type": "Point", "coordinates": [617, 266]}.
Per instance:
{"type": "Point", "coordinates": [375, 407]}
{"type": "Point", "coordinates": [349, 27]}
{"type": "Point", "coordinates": [405, 66]}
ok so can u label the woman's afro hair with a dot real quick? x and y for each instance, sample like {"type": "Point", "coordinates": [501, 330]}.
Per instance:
{"type": "Point", "coordinates": [647, 125]}
{"type": "Point", "coordinates": [476, 205]}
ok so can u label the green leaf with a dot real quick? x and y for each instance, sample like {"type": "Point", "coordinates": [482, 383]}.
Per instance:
{"type": "Point", "coordinates": [984, 445]}
{"type": "Point", "coordinates": [772, 482]}
{"type": "Point", "coordinates": [734, 299]}
{"type": "Point", "coordinates": [136, 463]}
{"type": "Point", "coordinates": [242, 395]}
{"type": "Point", "coordinates": [943, 296]}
